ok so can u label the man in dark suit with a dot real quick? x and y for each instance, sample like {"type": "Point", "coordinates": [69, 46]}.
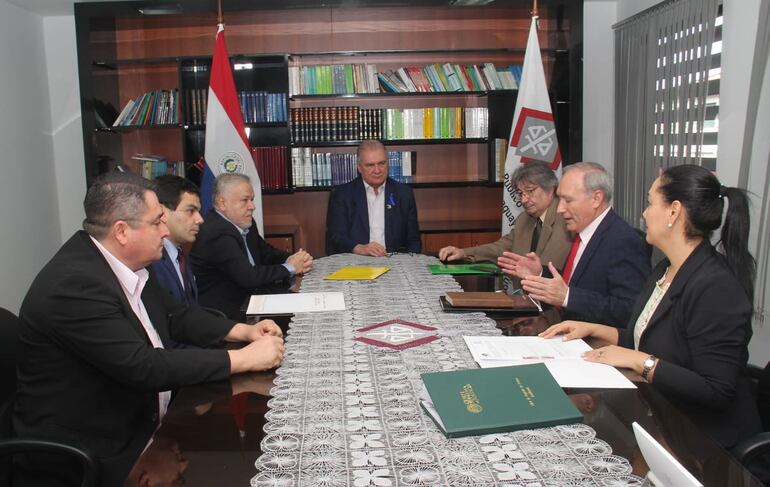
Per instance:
{"type": "Point", "coordinates": [373, 214]}
{"type": "Point", "coordinates": [230, 259]}
{"type": "Point", "coordinates": [607, 264]}
{"type": "Point", "coordinates": [181, 203]}
{"type": "Point", "coordinates": [94, 367]}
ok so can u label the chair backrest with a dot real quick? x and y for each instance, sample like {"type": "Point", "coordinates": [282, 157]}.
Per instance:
{"type": "Point", "coordinates": [9, 446]}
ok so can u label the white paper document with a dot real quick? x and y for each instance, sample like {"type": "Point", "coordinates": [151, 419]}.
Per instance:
{"type": "Point", "coordinates": [562, 359]}
{"type": "Point", "coordinates": [278, 304]}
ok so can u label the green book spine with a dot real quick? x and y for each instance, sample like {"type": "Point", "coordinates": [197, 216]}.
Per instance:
{"type": "Point", "coordinates": [350, 87]}
{"type": "Point", "coordinates": [498, 400]}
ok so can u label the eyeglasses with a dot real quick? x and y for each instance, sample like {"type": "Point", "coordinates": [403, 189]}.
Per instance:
{"type": "Point", "coordinates": [528, 192]}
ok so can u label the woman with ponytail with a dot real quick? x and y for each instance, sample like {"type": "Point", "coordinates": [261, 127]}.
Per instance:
{"type": "Point", "coordinates": [690, 327]}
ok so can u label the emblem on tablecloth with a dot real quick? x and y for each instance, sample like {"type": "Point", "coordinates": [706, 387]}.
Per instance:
{"type": "Point", "coordinates": [397, 334]}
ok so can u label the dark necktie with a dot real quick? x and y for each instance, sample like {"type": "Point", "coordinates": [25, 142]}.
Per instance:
{"type": "Point", "coordinates": [186, 285]}
{"type": "Point", "coordinates": [536, 235]}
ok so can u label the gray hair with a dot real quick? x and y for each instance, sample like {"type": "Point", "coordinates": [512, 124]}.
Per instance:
{"type": "Point", "coordinates": [114, 196]}
{"type": "Point", "coordinates": [224, 182]}
{"type": "Point", "coordinates": [595, 178]}
{"type": "Point", "coordinates": [536, 172]}
{"type": "Point", "coordinates": [369, 145]}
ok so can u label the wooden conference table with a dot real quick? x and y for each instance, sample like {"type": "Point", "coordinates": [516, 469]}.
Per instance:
{"type": "Point", "coordinates": [212, 432]}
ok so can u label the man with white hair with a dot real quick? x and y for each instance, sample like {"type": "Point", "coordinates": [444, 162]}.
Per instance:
{"type": "Point", "coordinates": [607, 264]}
{"type": "Point", "coordinates": [230, 258]}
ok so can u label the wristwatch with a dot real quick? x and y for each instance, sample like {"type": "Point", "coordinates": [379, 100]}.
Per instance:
{"type": "Point", "coordinates": [647, 365]}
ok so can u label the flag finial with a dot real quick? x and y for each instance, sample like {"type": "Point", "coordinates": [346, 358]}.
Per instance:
{"type": "Point", "coordinates": [534, 8]}
{"type": "Point", "coordinates": [221, 19]}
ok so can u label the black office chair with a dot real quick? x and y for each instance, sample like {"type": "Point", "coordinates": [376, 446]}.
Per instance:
{"type": "Point", "coordinates": [754, 452]}
{"type": "Point", "coordinates": [10, 446]}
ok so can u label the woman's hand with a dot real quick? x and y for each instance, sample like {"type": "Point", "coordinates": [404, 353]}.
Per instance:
{"type": "Point", "coordinates": [570, 330]}
{"type": "Point", "coordinates": [617, 357]}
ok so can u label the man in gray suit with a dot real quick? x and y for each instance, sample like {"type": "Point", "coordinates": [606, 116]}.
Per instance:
{"type": "Point", "coordinates": [537, 229]}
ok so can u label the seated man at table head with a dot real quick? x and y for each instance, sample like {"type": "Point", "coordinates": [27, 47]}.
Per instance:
{"type": "Point", "coordinates": [373, 214]}
{"type": "Point", "coordinates": [539, 229]}
{"type": "Point", "coordinates": [607, 263]}
{"type": "Point", "coordinates": [94, 368]}
{"type": "Point", "coordinates": [181, 203]}
{"type": "Point", "coordinates": [690, 327]}
{"type": "Point", "coordinates": [230, 258]}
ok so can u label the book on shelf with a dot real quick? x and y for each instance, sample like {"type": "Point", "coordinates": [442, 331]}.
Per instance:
{"type": "Point", "coordinates": [501, 152]}
{"type": "Point", "coordinates": [320, 169]}
{"type": "Point", "coordinates": [333, 79]}
{"type": "Point", "coordinates": [271, 166]}
{"type": "Point", "coordinates": [158, 107]}
{"type": "Point", "coordinates": [449, 77]}
{"type": "Point", "coordinates": [262, 106]}
{"type": "Point", "coordinates": [496, 400]}
{"type": "Point", "coordinates": [150, 166]}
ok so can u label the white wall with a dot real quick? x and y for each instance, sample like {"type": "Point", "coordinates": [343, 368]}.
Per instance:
{"type": "Point", "coordinates": [66, 128]}
{"type": "Point", "coordinates": [598, 82]}
{"type": "Point", "coordinates": [29, 218]}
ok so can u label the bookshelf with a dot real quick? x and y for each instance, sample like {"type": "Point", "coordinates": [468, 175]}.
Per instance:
{"type": "Point", "coordinates": [123, 55]}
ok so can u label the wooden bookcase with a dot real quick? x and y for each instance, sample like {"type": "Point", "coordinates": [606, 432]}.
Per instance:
{"type": "Point", "coordinates": [123, 53]}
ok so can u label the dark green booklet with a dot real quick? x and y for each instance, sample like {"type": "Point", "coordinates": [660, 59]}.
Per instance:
{"type": "Point", "coordinates": [497, 400]}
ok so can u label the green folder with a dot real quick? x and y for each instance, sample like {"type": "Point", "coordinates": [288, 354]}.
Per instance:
{"type": "Point", "coordinates": [497, 400]}
{"type": "Point", "coordinates": [464, 269]}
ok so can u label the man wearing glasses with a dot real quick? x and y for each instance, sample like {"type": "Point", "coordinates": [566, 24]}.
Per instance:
{"type": "Point", "coordinates": [538, 229]}
{"type": "Point", "coordinates": [373, 214]}
{"type": "Point", "coordinates": [95, 369]}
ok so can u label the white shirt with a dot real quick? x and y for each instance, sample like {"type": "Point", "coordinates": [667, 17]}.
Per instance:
{"type": "Point", "coordinates": [173, 254]}
{"type": "Point", "coordinates": [376, 207]}
{"type": "Point", "coordinates": [132, 284]}
{"type": "Point", "coordinates": [585, 237]}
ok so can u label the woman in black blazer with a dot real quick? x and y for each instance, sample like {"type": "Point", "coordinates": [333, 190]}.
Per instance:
{"type": "Point", "coordinates": [690, 327]}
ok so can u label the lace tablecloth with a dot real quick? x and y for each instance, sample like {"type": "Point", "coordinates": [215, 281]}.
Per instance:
{"type": "Point", "coordinates": [345, 412]}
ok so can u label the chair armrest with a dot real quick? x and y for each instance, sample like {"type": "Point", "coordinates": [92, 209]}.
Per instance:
{"type": "Point", "coordinates": [749, 448]}
{"type": "Point", "coordinates": [13, 446]}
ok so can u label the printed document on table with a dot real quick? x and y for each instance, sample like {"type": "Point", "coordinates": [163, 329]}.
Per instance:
{"type": "Point", "coordinates": [278, 304]}
{"type": "Point", "coordinates": [562, 359]}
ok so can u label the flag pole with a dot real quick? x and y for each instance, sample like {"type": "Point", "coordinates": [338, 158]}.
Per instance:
{"type": "Point", "coordinates": [534, 8]}
{"type": "Point", "coordinates": [221, 20]}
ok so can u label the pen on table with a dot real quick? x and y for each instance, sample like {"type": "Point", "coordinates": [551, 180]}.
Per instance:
{"type": "Point", "coordinates": [539, 357]}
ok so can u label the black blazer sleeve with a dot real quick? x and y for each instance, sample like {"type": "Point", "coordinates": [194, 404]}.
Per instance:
{"type": "Point", "coordinates": [342, 231]}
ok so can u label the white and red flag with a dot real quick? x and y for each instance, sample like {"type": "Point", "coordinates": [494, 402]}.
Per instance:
{"type": "Point", "coordinates": [533, 132]}
{"type": "Point", "coordinates": [227, 146]}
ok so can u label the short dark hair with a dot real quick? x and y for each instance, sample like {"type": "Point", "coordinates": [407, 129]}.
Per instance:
{"type": "Point", "coordinates": [114, 196]}
{"type": "Point", "coordinates": [536, 172]}
{"type": "Point", "coordinates": [701, 194]}
{"type": "Point", "coordinates": [170, 189]}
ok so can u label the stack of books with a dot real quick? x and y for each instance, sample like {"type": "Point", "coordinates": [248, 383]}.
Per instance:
{"type": "Point", "coordinates": [334, 79]}
{"type": "Point", "coordinates": [330, 124]}
{"type": "Point", "coordinates": [271, 166]}
{"type": "Point", "coordinates": [331, 169]}
{"type": "Point", "coordinates": [151, 166]}
{"type": "Point", "coordinates": [261, 106]}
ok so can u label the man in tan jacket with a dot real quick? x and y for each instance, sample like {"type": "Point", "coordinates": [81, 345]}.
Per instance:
{"type": "Point", "coordinates": [537, 229]}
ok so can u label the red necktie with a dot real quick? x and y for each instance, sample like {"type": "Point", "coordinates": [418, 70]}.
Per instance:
{"type": "Point", "coordinates": [571, 259]}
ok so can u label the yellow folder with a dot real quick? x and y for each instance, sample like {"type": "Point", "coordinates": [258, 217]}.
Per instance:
{"type": "Point", "coordinates": [354, 273]}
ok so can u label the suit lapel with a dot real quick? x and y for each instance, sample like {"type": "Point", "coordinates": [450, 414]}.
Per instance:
{"type": "Point", "coordinates": [691, 264]}
{"type": "Point", "coordinates": [362, 207]}
{"type": "Point", "coordinates": [593, 244]}
{"type": "Point", "coordinates": [165, 261]}
{"type": "Point", "coordinates": [547, 230]}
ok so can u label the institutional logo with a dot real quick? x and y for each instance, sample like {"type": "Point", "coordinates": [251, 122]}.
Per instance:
{"type": "Point", "coordinates": [230, 162]}
{"type": "Point", "coordinates": [534, 138]}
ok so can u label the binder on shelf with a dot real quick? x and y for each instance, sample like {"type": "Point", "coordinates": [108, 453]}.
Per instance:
{"type": "Point", "coordinates": [496, 400]}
